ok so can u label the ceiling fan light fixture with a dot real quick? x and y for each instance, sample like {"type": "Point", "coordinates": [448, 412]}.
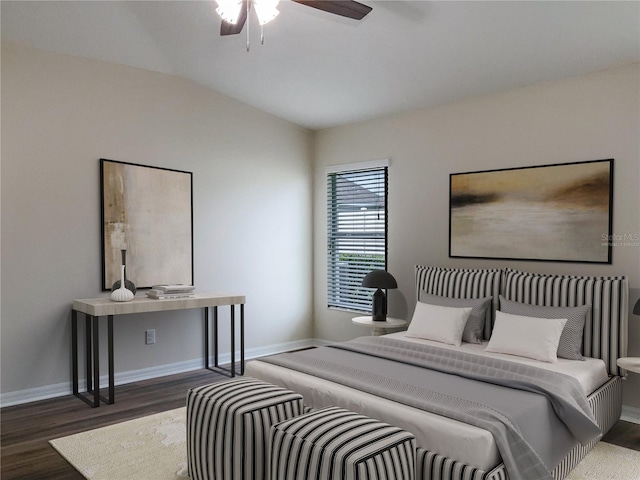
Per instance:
{"type": "Point", "coordinates": [229, 10]}
{"type": "Point", "coordinates": [266, 10]}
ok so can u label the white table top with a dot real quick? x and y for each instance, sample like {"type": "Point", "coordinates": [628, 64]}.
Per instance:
{"type": "Point", "coordinates": [630, 363]}
{"type": "Point", "coordinates": [390, 323]}
{"type": "Point", "coordinates": [102, 306]}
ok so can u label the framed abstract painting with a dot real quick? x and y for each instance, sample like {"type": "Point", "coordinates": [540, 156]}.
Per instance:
{"type": "Point", "coordinates": [147, 212]}
{"type": "Point", "coordinates": [560, 212]}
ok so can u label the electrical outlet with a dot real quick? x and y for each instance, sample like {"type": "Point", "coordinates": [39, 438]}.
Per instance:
{"type": "Point", "coordinates": [150, 337]}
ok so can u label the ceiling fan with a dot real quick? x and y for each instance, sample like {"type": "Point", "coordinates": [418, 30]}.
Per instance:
{"type": "Point", "coordinates": [234, 12]}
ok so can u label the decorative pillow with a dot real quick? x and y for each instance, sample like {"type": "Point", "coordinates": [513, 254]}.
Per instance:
{"type": "Point", "coordinates": [475, 324]}
{"type": "Point", "coordinates": [442, 324]}
{"type": "Point", "coordinates": [605, 331]}
{"type": "Point", "coordinates": [461, 283]}
{"type": "Point", "coordinates": [529, 337]}
{"type": "Point", "coordinates": [570, 346]}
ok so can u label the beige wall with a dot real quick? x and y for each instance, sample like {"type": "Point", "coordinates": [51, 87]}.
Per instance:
{"type": "Point", "coordinates": [251, 206]}
{"type": "Point", "coordinates": [591, 117]}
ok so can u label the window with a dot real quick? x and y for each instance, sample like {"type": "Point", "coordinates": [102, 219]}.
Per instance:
{"type": "Point", "coordinates": [356, 232]}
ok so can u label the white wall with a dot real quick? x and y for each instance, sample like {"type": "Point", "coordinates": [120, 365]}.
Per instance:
{"type": "Point", "coordinates": [591, 117]}
{"type": "Point", "coordinates": [252, 197]}
{"type": "Point", "coordinates": [251, 204]}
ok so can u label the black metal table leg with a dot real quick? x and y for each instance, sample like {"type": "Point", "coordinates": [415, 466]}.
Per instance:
{"type": "Point", "coordinates": [111, 374]}
{"type": "Point", "coordinates": [215, 336]}
{"type": "Point", "coordinates": [231, 372]}
{"type": "Point", "coordinates": [92, 341]}
{"type": "Point", "coordinates": [233, 340]}
{"type": "Point", "coordinates": [242, 339]}
{"type": "Point", "coordinates": [88, 353]}
{"type": "Point", "coordinates": [206, 337]}
{"type": "Point", "coordinates": [92, 337]}
{"type": "Point", "coordinates": [96, 362]}
{"type": "Point", "coordinates": [74, 350]}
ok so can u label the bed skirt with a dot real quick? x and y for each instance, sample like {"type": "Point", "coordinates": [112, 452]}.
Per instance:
{"type": "Point", "coordinates": [606, 404]}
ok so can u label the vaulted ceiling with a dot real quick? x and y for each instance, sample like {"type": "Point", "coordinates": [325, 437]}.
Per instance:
{"type": "Point", "coordinates": [319, 70]}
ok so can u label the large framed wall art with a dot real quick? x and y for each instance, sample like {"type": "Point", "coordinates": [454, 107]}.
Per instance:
{"type": "Point", "coordinates": [560, 212]}
{"type": "Point", "coordinates": [148, 212]}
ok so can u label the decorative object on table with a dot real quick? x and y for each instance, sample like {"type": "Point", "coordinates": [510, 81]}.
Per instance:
{"type": "Point", "coordinates": [159, 292]}
{"type": "Point", "coordinates": [122, 294]}
{"type": "Point", "coordinates": [148, 211]}
{"type": "Point", "coordinates": [379, 279]}
{"type": "Point", "coordinates": [560, 212]}
{"type": "Point", "coordinates": [128, 284]}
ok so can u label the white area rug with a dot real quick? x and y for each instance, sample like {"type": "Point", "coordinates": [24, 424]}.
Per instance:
{"type": "Point", "coordinates": [154, 448]}
{"type": "Point", "coordinates": [147, 448]}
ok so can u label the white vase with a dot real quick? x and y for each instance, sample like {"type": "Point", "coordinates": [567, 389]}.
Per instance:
{"type": "Point", "coordinates": [122, 294]}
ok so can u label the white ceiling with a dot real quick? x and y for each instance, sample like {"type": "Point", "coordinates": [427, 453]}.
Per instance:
{"type": "Point", "coordinates": [320, 70]}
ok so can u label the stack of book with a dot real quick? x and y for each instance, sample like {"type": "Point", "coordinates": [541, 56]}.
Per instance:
{"type": "Point", "coordinates": [171, 291]}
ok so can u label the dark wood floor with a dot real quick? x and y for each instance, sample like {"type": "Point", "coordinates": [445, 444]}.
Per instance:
{"type": "Point", "coordinates": [26, 429]}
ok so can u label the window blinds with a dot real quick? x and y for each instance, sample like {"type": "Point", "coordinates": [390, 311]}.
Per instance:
{"type": "Point", "coordinates": [356, 234]}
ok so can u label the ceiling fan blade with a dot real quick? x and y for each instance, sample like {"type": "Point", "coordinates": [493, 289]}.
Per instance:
{"type": "Point", "coordinates": [227, 28]}
{"type": "Point", "coordinates": [344, 8]}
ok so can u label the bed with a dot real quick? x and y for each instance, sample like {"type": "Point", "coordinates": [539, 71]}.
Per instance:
{"type": "Point", "coordinates": [455, 446]}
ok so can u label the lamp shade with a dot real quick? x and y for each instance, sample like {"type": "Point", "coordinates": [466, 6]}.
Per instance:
{"type": "Point", "coordinates": [636, 309]}
{"type": "Point", "coordinates": [379, 279]}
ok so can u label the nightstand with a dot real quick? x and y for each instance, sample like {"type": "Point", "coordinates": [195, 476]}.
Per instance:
{"type": "Point", "coordinates": [379, 328]}
{"type": "Point", "coordinates": [630, 363]}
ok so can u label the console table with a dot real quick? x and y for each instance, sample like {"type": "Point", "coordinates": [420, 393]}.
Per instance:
{"type": "Point", "coordinates": [94, 308]}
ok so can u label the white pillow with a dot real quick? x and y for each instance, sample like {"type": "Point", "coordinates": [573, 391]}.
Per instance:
{"type": "Point", "coordinates": [529, 337]}
{"type": "Point", "coordinates": [442, 324]}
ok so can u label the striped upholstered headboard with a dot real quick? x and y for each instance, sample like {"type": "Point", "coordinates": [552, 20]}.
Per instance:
{"type": "Point", "coordinates": [605, 332]}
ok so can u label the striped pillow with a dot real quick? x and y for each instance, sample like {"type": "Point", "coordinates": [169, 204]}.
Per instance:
{"type": "Point", "coordinates": [461, 283]}
{"type": "Point", "coordinates": [605, 331]}
{"type": "Point", "coordinates": [570, 346]}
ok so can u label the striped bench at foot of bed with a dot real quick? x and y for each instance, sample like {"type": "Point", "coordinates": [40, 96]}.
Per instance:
{"type": "Point", "coordinates": [228, 427]}
{"type": "Point", "coordinates": [337, 444]}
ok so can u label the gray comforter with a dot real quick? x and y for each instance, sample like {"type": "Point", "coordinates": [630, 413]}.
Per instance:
{"type": "Point", "coordinates": [535, 416]}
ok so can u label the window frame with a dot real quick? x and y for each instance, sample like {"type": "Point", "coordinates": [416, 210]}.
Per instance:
{"type": "Point", "coordinates": [353, 297]}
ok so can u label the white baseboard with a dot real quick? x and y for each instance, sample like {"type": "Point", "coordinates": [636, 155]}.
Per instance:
{"type": "Point", "coordinates": [65, 388]}
{"type": "Point", "coordinates": [630, 414]}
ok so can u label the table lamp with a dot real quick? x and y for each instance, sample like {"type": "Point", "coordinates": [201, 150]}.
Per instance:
{"type": "Point", "coordinates": [379, 279]}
